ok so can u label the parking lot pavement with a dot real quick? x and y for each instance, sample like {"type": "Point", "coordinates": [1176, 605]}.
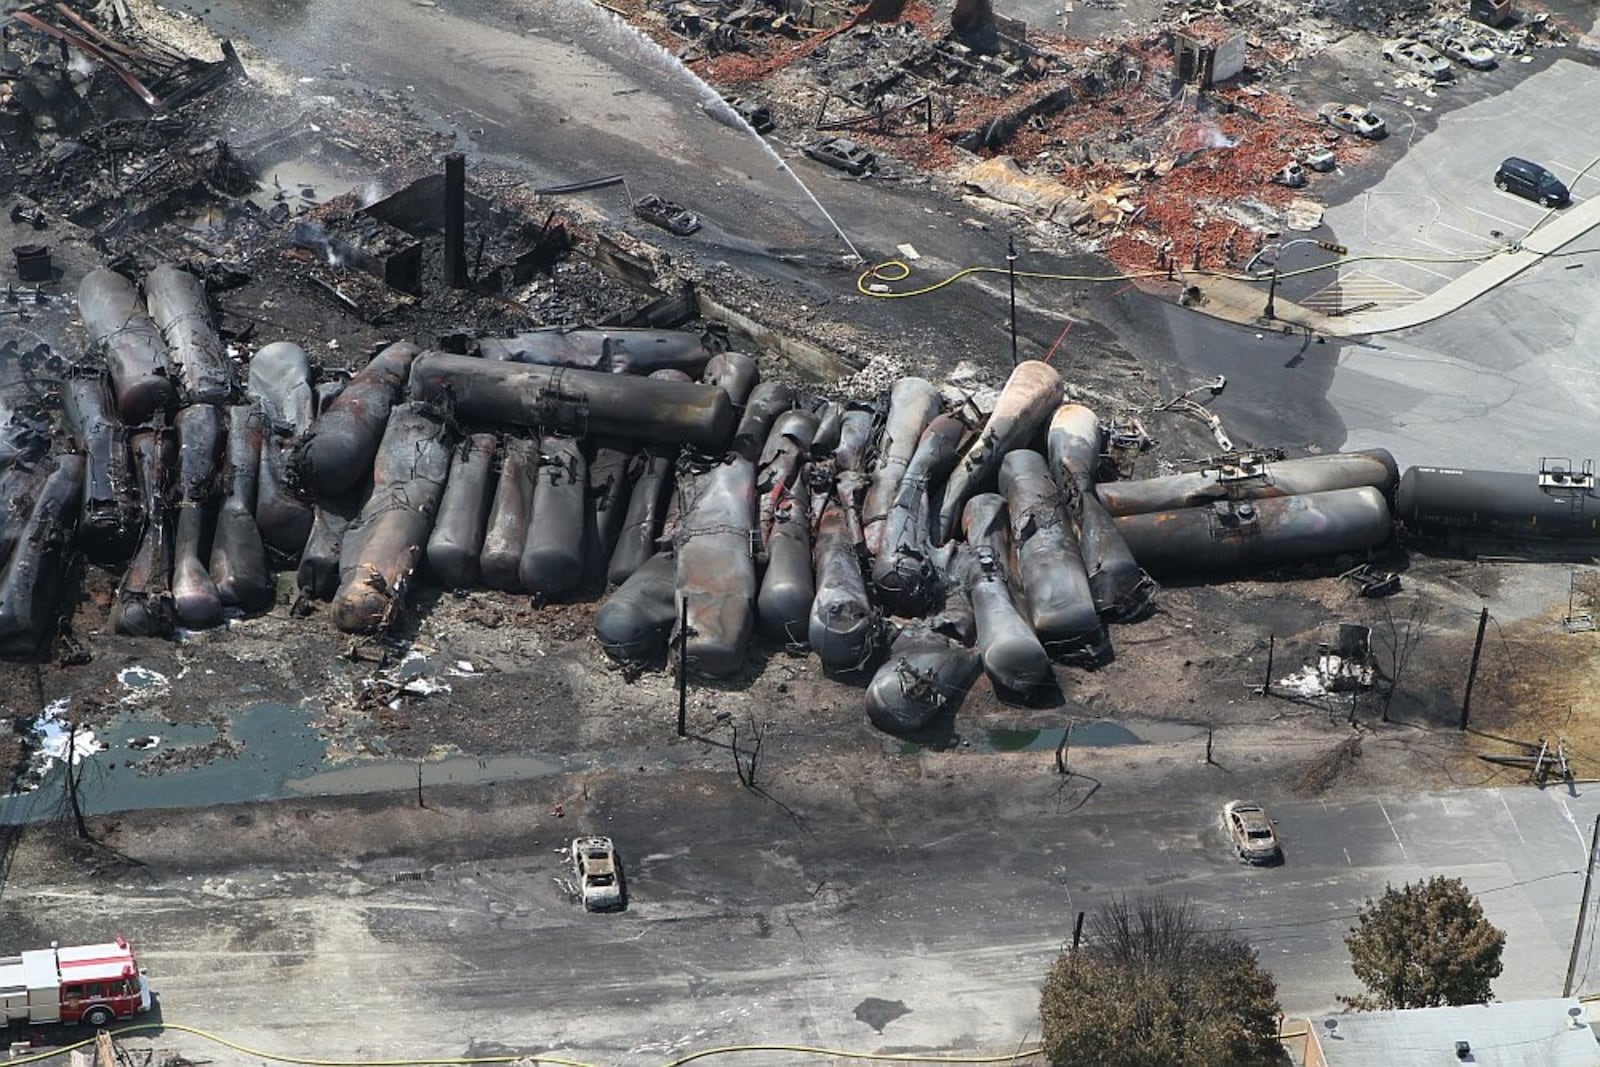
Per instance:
{"type": "Point", "coordinates": [1436, 211]}
{"type": "Point", "coordinates": [1521, 850]}
{"type": "Point", "coordinates": [759, 933]}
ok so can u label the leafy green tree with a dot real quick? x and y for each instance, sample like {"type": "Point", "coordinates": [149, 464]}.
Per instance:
{"type": "Point", "coordinates": [1423, 946]}
{"type": "Point", "coordinates": [1153, 985]}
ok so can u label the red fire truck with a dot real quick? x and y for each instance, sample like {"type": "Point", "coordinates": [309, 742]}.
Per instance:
{"type": "Point", "coordinates": [89, 984]}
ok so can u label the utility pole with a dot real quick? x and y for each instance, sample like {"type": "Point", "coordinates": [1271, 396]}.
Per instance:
{"type": "Point", "coordinates": [1011, 269]}
{"type": "Point", "coordinates": [1472, 671]}
{"type": "Point", "coordinates": [683, 667]}
{"type": "Point", "coordinates": [1271, 311]}
{"type": "Point", "coordinates": [1077, 932]}
{"type": "Point", "coordinates": [1583, 908]}
{"type": "Point", "coordinates": [455, 220]}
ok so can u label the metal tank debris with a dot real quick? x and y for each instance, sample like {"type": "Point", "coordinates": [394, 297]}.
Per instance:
{"type": "Point", "coordinates": [582, 450]}
{"type": "Point", "coordinates": [719, 512]}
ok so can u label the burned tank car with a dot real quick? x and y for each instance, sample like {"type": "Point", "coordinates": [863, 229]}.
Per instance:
{"type": "Point", "coordinates": [1448, 506]}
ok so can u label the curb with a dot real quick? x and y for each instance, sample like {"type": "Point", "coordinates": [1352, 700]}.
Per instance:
{"type": "Point", "coordinates": [1235, 299]}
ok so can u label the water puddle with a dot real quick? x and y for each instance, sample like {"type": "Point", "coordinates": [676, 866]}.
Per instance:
{"type": "Point", "coordinates": [248, 754]}
{"type": "Point", "coordinates": [1099, 734]}
{"type": "Point", "coordinates": [392, 775]}
{"type": "Point", "coordinates": [139, 679]}
{"type": "Point", "coordinates": [300, 183]}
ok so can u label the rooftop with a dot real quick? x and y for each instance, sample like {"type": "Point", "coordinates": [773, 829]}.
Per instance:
{"type": "Point", "coordinates": [1528, 1033]}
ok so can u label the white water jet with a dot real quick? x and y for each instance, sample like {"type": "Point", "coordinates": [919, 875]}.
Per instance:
{"type": "Point", "coordinates": [623, 35]}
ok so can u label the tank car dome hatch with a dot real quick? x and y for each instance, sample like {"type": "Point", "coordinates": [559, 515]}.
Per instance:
{"type": "Point", "coordinates": [1557, 473]}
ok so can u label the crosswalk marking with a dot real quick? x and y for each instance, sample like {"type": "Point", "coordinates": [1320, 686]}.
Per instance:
{"type": "Point", "coordinates": [1359, 287]}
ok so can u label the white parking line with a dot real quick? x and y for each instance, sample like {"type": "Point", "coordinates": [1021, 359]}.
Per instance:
{"type": "Point", "coordinates": [1425, 280]}
{"type": "Point", "coordinates": [1489, 243]}
{"type": "Point", "coordinates": [1392, 830]}
{"type": "Point", "coordinates": [1583, 842]}
{"type": "Point", "coordinates": [1509, 224]}
{"type": "Point", "coordinates": [1429, 270]}
{"type": "Point", "coordinates": [1356, 287]}
{"type": "Point", "coordinates": [1510, 816]}
{"type": "Point", "coordinates": [1557, 165]}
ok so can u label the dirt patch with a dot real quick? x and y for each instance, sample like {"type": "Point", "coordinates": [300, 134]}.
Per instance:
{"type": "Point", "coordinates": [1325, 771]}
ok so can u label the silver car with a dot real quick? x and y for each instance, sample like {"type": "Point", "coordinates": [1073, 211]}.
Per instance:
{"type": "Point", "coordinates": [599, 875]}
{"type": "Point", "coordinates": [1353, 118]}
{"type": "Point", "coordinates": [1468, 51]}
{"type": "Point", "coordinates": [1419, 59]}
{"type": "Point", "coordinates": [1252, 831]}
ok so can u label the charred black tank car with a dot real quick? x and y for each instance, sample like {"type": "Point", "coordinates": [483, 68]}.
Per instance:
{"type": "Point", "coordinates": [1452, 506]}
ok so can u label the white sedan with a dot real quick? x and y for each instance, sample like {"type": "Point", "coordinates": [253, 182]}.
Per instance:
{"type": "Point", "coordinates": [594, 864]}
{"type": "Point", "coordinates": [1254, 836]}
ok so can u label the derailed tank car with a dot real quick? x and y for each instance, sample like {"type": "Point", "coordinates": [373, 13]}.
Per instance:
{"type": "Point", "coordinates": [1456, 508]}
{"type": "Point", "coordinates": [1234, 536]}
{"type": "Point", "coordinates": [1249, 476]}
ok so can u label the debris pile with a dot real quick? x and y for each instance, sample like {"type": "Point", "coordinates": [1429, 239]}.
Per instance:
{"type": "Point", "coordinates": [1170, 143]}
{"type": "Point", "coordinates": [1155, 169]}
{"type": "Point", "coordinates": [556, 464]}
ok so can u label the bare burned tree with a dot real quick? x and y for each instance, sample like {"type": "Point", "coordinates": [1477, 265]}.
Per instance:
{"type": "Point", "coordinates": [747, 775]}
{"type": "Point", "coordinates": [1397, 640]}
{"type": "Point", "coordinates": [73, 776]}
{"type": "Point", "coordinates": [1160, 931]}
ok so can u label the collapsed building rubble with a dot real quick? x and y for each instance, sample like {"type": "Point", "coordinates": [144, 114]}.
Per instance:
{"type": "Point", "coordinates": [1168, 146]}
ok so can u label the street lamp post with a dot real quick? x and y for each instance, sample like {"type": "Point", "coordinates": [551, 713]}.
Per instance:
{"type": "Point", "coordinates": [1011, 269]}
{"type": "Point", "coordinates": [1277, 250]}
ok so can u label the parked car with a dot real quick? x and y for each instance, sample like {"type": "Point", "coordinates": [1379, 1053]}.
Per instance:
{"type": "Point", "coordinates": [599, 875]}
{"type": "Point", "coordinates": [1291, 174]}
{"type": "Point", "coordinates": [1418, 58]}
{"type": "Point", "coordinates": [1502, 43]}
{"type": "Point", "coordinates": [674, 218]}
{"type": "Point", "coordinates": [1250, 828]}
{"type": "Point", "coordinates": [1317, 157]}
{"type": "Point", "coordinates": [1467, 50]}
{"type": "Point", "coordinates": [1531, 181]}
{"type": "Point", "coordinates": [841, 152]}
{"type": "Point", "coordinates": [1353, 118]}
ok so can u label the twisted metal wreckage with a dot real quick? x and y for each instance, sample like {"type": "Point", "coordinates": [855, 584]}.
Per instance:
{"type": "Point", "coordinates": [895, 539]}
{"type": "Point", "coordinates": [907, 540]}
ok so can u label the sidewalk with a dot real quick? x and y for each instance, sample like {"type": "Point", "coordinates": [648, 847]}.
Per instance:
{"type": "Point", "coordinates": [1244, 302]}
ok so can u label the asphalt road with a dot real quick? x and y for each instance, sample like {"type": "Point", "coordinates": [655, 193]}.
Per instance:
{"type": "Point", "coordinates": [747, 925]}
